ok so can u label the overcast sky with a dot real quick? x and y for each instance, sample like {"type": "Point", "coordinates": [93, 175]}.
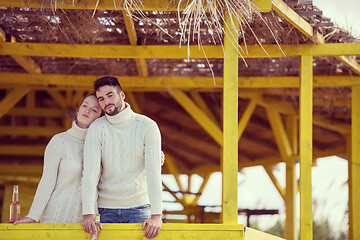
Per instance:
{"type": "Point", "coordinates": [343, 12]}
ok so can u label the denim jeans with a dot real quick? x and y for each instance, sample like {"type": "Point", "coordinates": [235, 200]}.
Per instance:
{"type": "Point", "coordinates": [125, 215]}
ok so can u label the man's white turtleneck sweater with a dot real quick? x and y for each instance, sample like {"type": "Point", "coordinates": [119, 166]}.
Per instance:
{"type": "Point", "coordinates": [122, 163]}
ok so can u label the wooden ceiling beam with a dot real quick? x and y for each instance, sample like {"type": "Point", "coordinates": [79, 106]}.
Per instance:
{"type": "Point", "coordinates": [12, 98]}
{"type": "Point", "coordinates": [303, 26]}
{"type": "Point", "coordinates": [147, 5]}
{"type": "Point", "coordinates": [9, 80]}
{"type": "Point", "coordinates": [172, 51]}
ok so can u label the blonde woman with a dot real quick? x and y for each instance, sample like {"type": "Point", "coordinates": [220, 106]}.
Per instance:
{"type": "Point", "coordinates": [58, 197]}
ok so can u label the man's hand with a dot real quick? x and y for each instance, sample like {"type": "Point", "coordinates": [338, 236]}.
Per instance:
{"type": "Point", "coordinates": [24, 220]}
{"type": "Point", "coordinates": [153, 226]}
{"type": "Point", "coordinates": [88, 224]}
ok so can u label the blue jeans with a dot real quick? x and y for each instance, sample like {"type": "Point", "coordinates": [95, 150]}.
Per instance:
{"type": "Point", "coordinates": [125, 215]}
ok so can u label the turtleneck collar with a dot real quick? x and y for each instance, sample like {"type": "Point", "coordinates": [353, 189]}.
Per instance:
{"type": "Point", "coordinates": [123, 117]}
{"type": "Point", "coordinates": [77, 132]}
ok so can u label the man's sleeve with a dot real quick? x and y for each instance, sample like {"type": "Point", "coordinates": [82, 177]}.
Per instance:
{"type": "Point", "coordinates": [153, 166]}
{"type": "Point", "coordinates": [91, 169]}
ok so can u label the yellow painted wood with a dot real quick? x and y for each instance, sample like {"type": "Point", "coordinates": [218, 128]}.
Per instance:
{"type": "Point", "coordinates": [354, 166]}
{"type": "Point", "coordinates": [305, 143]}
{"type": "Point", "coordinates": [350, 62]}
{"type": "Point", "coordinates": [201, 189]}
{"type": "Point", "coordinates": [26, 62]}
{"type": "Point", "coordinates": [36, 112]}
{"type": "Point", "coordinates": [290, 15]}
{"type": "Point", "coordinates": [148, 5]}
{"type": "Point", "coordinates": [21, 170]}
{"type": "Point", "coordinates": [196, 97]}
{"type": "Point", "coordinates": [331, 124]}
{"type": "Point", "coordinates": [173, 169]}
{"type": "Point", "coordinates": [181, 201]}
{"type": "Point", "coordinates": [30, 100]}
{"type": "Point", "coordinates": [141, 65]}
{"type": "Point", "coordinates": [291, 229]}
{"type": "Point", "coordinates": [172, 51]}
{"type": "Point", "coordinates": [162, 83]}
{"type": "Point", "coordinates": [280, 134]}
{"type": "Point", "coordinates": [121, 231]}
{"type": "Point", "coordinates": [12, 98]}
{"type": "Point", "coordinates": [303, 26]}
{"type": "Point", "coordinates": [253, 234]}
{"type": "Point", "coordinates": [204, 121]}
{"type": "Point", "coordinates": [24, 150]}
{"type": "Point", "coordinates": [245, 117]}
{"type": "Point", "coordinates": [30, 131]}
{"type": "Point", "coordinates": [350, 188]}
{"type": "Point", "coordinates": [230, 124]}
{"type": "Point", "coordinates": [276, 183]}
{"type": "Point", "coordinates": [135, 105]}
{"type": "Point", "coordinates": [59, 99]}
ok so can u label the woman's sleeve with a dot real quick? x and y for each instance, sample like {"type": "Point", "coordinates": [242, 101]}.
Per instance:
{"type": "Point", "coordinates": [52, 157]}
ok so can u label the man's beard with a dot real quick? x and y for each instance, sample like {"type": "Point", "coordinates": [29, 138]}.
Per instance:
{"type": "Point", "coordinates": [113, 112]}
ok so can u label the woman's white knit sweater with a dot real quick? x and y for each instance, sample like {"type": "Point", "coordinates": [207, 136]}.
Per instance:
{"type": "Point", "coordinates": [58, 196]}
{"type": "Point", "coordinates": [122, 163]}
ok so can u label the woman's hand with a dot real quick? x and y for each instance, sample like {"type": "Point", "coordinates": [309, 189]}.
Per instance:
{"type": "Point", "coordinates": [24, 220]}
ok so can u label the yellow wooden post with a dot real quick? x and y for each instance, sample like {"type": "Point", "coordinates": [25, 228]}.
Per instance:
{"type": "Point", "coordinates": [354, 166]}
{"type": "Point", "coordinates": [290, 230]}
{"type": "Point", "coordinates": [230, 125]}
{"type": "Point", "coordinates": [306, 93]}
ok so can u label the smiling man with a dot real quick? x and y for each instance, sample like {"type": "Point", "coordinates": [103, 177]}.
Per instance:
{"type": "Point", "coordinates": [122, 164]}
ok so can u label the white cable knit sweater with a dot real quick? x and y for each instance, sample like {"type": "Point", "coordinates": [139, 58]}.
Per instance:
{"type": "Point", "coordinates": [57, 198]}
{"type": "Point", "coordinates": [122, 163]}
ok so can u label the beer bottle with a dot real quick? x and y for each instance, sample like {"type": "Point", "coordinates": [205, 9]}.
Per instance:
{"type": "Point", "coordinates": [97, 223]}
{"type": "Point", "coordinates": [15, 205]}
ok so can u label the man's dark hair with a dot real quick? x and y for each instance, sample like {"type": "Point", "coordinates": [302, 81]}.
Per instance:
{"type": "Point", "coordinates": [107, 80]}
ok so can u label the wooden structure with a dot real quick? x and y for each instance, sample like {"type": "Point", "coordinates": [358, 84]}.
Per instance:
{"type": "Point", "coordinates": [244, 116]}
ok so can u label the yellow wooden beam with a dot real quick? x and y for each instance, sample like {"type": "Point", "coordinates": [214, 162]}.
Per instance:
{"type": "Point", "coordinates": [331, 124]}
{"type": "Point", "coordinates": [26, 62]}
{"type": "Point", "coordinates": [292, 17]}
{"type": "Point", "coordinates": [133, 101]}
{"type": "Point", "coordinates": [172, 51]}
{"type": "Point", "coordinates": [290, 229]}
{"type": "Point", "coordinates": [210, 127]}
{"type": "Point", "coordinates": [147, 5]}
{"type": "Point", "coordinates": [354, 166]}
{"type": "Point", "coordinates": [276, 183]}
{"type": "Point", "coordinates": [280, 134]}
{"type": "Point", "coordinates": [196, 97]}
{"type": "Point", "coordinates": [21, 170]}
{"type": "Point", "coordinates": [299, 23]}
{"type": "Point", "coordinates": [29, 131]}
{"type": "Point", "coordinates": [162, 83]}
{"type": "Point", "coordinates": [181, 201]}
{"type": "Point", "coordinates": [201, 189]}
{"type": "Point", "coordinates": [12, 98]}
{"type": "Point", "coordinates": [230, 123]}
{"type": "Point", "coordinates": [58, 97]}
{"type": "Point", "coordinates": [173, 169]}
{"type": "Point", "coordinates": [246, 117]}
{"type": "Point", "coordinates": [123, 231]}
{"type": "Point", "coordinates": [36, 112]}
{"type": "Point", "coordinates": [306, 112]}
{"type": "Point", "coordinates": [253, 234]}
{"type": "Point", "coordinates": [24, 150]}
{"type": "Point", "coordinates": [131, 31]}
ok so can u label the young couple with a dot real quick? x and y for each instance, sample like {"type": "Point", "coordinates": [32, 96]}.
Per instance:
{"type": "Point", "coordinates": [112, 167]}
